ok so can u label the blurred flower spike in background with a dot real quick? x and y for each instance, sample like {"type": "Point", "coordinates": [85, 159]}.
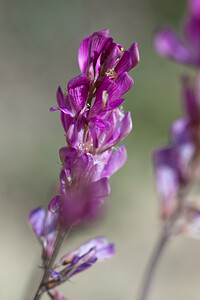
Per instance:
{"type": "Point", "coordinates": [186, 49]}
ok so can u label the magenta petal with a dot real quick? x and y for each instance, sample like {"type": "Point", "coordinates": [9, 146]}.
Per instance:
{"type": "Point", "coordinates": [97, 42]}
{"type": "Point", "coordinates": [191, 104]}
{"type": "Point", "coordinates": [78, 90]}
{"type": "Point", "coordinates": [100, 188]}
{"type": "Point", "coordinates": [116, 161]}
{"type": "Point", "coordinates": [113, 105]}
{"type": "Point", "coordinates": [124, 84]}
{"type": "Point", "coordinates": [192, 32]}
{"type": "Point", "coordinates": [65, 111]}
{"type": "Point", "coordinates": [129, 60]}
{"type": "Point", "coordinates": [104, 32]}
{"type": "Point", "coordinates": [100, 123]}
{"type": "Point", "coordinates": [194, 6]}
{"type": "Point", "coordinates": [134, 55]}
{"type": "Point", "coordinates": [36, 219]}
{"type": "Point", "coordinates": [60, 97]}
{"type": "Point", "coordinates": [68, 156]}
{"type": "Point", "coordinates": [83, 54]}
{"type": "Point", "coordinates": [55, 204]}
{"type": "Point", "coordinates": [168, 44]}
{"type": "Point", "coordinates": [106, 93]}
{"type": "Point", "coordinates": [125, 126]}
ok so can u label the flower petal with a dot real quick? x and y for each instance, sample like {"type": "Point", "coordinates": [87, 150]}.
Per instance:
{"type": "Point", "coordinates": [83, 54]}
{"type": "Point", "coordinates": [116, 161]}
{"type": "Point", "coordinates": [36, 219]}
{"type": "Point", "coordinates": [168, 44]}
{"type": "Point", "coordinates": [167, 179]}
{"type": "Point", "coordinates": [129, 60]}
{"type": "Point", "coordinates": [100, 188]}
{"type": "Point", "coordinates": [78, 90]}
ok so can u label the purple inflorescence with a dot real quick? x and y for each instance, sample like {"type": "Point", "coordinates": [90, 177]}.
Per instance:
{"type": "Point", "coordinates": [177, 166]}
{"type": "Point", "coordinates": [186, 49]}
{"type": "Point", "coordinates": [94, 123]}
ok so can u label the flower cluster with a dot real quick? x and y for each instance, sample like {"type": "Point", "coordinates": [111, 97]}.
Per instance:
{"type": "Point", "coordinates": [186, 49]}
{"type": "Point", "coordinates": [94, 123]}
{"type": "Point", "coordinates": [177, 166]}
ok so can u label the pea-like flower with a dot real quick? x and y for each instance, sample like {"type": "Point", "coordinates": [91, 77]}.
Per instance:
{"type": "Point", "coordinates": [184, 49]}
{"type": "Point", "coordinates": [79, 260]}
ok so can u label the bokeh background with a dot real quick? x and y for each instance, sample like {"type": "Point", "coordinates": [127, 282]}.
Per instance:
{"type": "Point", "coordinates": [38, 51]}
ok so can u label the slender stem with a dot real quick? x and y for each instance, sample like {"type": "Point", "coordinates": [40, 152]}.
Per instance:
{"type": "Point", "coordinates": [158, 251]}
{"type": "Point", "coordinates": [154, 260]}
{"type": "Point", "coordinates": [58, 243]}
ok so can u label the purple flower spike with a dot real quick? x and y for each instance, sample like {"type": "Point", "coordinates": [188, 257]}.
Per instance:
{"type": "Point", "coordinates": [167, 179]}
{"type": "Point", "coordinates": [184, 50]}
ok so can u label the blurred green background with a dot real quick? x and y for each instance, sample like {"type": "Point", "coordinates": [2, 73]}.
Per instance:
{"type": "Point", "coordinates": [38, 51]}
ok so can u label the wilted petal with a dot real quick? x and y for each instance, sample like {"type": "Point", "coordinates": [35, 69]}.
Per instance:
{"type": "Point", "coordinates": [36, 219]}
{"type": "Point", "coordinates": [168, 44]}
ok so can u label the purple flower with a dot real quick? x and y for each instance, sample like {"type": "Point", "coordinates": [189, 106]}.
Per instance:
{"type": "Point", "coordinates": [97, 249]}
{"type": "Point", "coordinates": [81, 195]}
{"type": "Point", "coordinates": [167, 179]}
{"type": "Point", "coordinates": [99, 56]}
{"type": "Point", "coordinates": [184, 50]}
{"type": "Point", "coordinates": [88, 109]}
{"type": "Point", "coordinates": [44, 225]}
